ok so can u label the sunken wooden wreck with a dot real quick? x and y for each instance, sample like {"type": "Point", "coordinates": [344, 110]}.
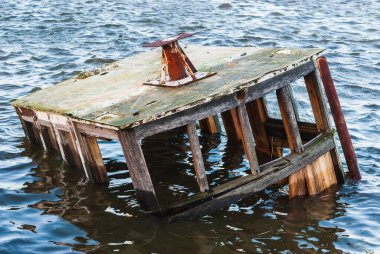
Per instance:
{"type": "Point", "coordinates": [125, 101]}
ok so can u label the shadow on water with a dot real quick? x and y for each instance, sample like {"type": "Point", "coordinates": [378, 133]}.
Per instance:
{"type": "Point", "coordinates": [110, 218]}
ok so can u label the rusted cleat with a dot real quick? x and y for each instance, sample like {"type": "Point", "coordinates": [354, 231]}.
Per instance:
{"type": "Point", "coordinates": [176, 67]}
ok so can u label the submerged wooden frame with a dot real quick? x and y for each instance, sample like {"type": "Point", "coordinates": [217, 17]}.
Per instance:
{"type": "Point", "coordinates": [245, 120]}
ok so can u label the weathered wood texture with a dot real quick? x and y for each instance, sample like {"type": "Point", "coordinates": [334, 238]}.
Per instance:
{"type": "Point", "coordinates": [127, 103]}
{"type": "Point", "coordinates": [210, 124]}
{"type": "Point", "coordinates": [138, 170]}
{"type": "Point", "coordinates": [258, 117]}
{"type": "Point", "coordinates": [289, 119]}
{"type": "Point", "coordinates": [318, 104]}
{"type": "Point", "coordinates": [242, 188]}
{"type": "Point", "coordinates": [231, 125]}
{"type": "Point", "coordinates": [90, 155]}
{"type": "Point", "coordinates": [199, 166]}
{"type": "Point", "coordinates": [297, 184]}
{"type": "Point", "coordinates": [247, 139]}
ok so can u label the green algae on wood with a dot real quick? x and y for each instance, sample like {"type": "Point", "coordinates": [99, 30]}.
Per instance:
{"type": "Point", "coordinates": [118, 98]}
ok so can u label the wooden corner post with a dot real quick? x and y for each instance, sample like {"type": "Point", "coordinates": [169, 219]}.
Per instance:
{"type": "Point", "coordinates": [138, 170]}
{"type": "Point", "coordinates": [322, 120]}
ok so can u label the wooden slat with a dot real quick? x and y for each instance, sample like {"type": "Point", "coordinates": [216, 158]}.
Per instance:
{"type": "Point", "coordinates": [275, 129]}
{"type": "Point", "coordinates": [138, 170]}
{"type": "Point", "coordinates": [218, 105]}
{"type": "Point", "coordinates": [247, 139]}
{"type": "Point", "coordinates": [98, 169]}
{"type": "Point", "coordinates": [96, 131]}
{"type": "Point", "coordinates": [232, 125]}
{"type": "Point", "coordinates": [318, 103]}
{"type": "Point", "coordinates": [297, 183]}
{"type": "Point", "coordinates": [289, 119]}
{"type": "Point", "coordinates": [89, 154]}
{"type": "Point", "coordinates": [70, 149]}
{"type": "Point", "coordinates": [239, 189]}
{"type": "Point", "coordinates": [197, 158]}
{"type": "Point", "coordinates": [210, 124]}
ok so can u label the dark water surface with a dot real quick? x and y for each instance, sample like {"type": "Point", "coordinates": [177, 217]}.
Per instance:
{"type": "Point", "coordinates": [47, 207]}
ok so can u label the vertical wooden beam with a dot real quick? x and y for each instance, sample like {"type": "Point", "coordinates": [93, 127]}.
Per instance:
{"type": "Point", "coordinates": [319, 107]}
{"type": "Point", "coordinates": [138, 170]}
{"type": "Point", "coordinates": [258, 115]}
{"type": "Point", "coordinates": [297, 183]}
{"type": "Point", "coordinates": [197, 158]}
{"type": "Point", "coordinates": [289, 119]}
{"type": "Point", "coordinates": [248, 140]}
{"type": "Point", "coordinates": [90, 156]}
{"type": "Point", "coordinates": [231, 124]}
{"type": "Point", "coordinates": [69, 149]}
{"type": "Point", "coordinates": [59, 141]}
{"type": "Point", "coordinates": [210, 124]}
{"type": "Point", "coordinates": [50, 145]}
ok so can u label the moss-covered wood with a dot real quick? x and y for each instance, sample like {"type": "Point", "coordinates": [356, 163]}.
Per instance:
{"type": "Point", "coordinates": [116, 97]}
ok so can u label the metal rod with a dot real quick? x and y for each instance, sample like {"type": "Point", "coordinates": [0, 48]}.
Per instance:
{"type": "Point", "coordinates": [340, 122]}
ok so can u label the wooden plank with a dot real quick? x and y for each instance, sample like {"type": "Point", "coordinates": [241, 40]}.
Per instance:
{"type": "Point", "coordinates": [247, 139]}
{"type": "Point", "coordinates": [217, 105]}
{"type": "Point", "coordinates": [232, 125]}
{"type": "Point", "coordinates": [69, 149]}
{"type": "Point", "coordinates": [320, 174]}
{"type": "Point", "coordinates": [89, 154]}
{"type": "Point", "coordinates": [197, 158]}
{"type": "Point", "coordinates": [271, 173]}
{"type": "Point", "coordinates": [49, 142]}
{"type": "Point", "coordinates": [318, 103]}
{"type": "Point", "coordinates": [98, 169]}
{"type": "Point", "coordinates": [289, 119]}
{"type": "Point", "coordinates": [210, 124]}
{"type": "Point", "coordinates": [138, 170]}
{"type": "Point", "coordinates": [96, 131]}
{"type": "Point", "coordinates": [126, 103]}
{"type": "Point", "coordinates": [297, 184]}
{"type": "Point", "coordinates": [275, 128]}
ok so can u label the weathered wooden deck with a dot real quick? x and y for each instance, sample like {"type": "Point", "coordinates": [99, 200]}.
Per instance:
{"type": "Point", "coordinates": [113, 104]}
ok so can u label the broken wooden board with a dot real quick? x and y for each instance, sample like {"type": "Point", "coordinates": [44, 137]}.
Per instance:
{"type": "Point", "coordinates": [115, 96]}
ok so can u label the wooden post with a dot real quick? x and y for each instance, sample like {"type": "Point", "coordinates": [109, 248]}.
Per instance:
{"type": "Point", "coordinates": [197, 158]}
{"type": "Point", "coordinates": [89, 153]}
{"type": "Point", "coordinates": [210, 124]}
{"type": "Point", "coordinates": [69, 149]}
{"type": "Point", "coordinates": [231, 124]}
{"type": "Point", "coordinates": [248, 141]}
{"type": "Point", "coordinates": [340, 122]}
{"type": "Point", "coordinates": [138, 170]}
{"type": "Point", "coordinates": [258, 115]}
{"type": "Point", "coordinates": [318, 105]}
{"type": "Point", "coordinates": [297, 183]}
{"type": "Point", "coordinates": [289, 119]}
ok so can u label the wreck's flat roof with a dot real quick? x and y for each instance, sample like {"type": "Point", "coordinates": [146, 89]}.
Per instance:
{"type": "Point", "coordinates": [117, 97]}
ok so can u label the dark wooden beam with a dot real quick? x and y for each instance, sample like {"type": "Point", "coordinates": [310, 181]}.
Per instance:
{"type": "Point", "coordinates": [239, 189]}
{"type": "Point", "coordinates": [138, 170]}
{"type": "Point", "coordinates": [222, 104]}
{"type": "Point", "coordinates": [247, 139]}
{"type": "Point", "coordinates": [318, 104]}
{"type": "Point", "coordinates": [210, 124]}
{"type": "Point", "coordinates": [197, 158]}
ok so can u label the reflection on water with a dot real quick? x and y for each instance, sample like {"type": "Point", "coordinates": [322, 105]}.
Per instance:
{"type": "Point", "coordinates": [46, 206]}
